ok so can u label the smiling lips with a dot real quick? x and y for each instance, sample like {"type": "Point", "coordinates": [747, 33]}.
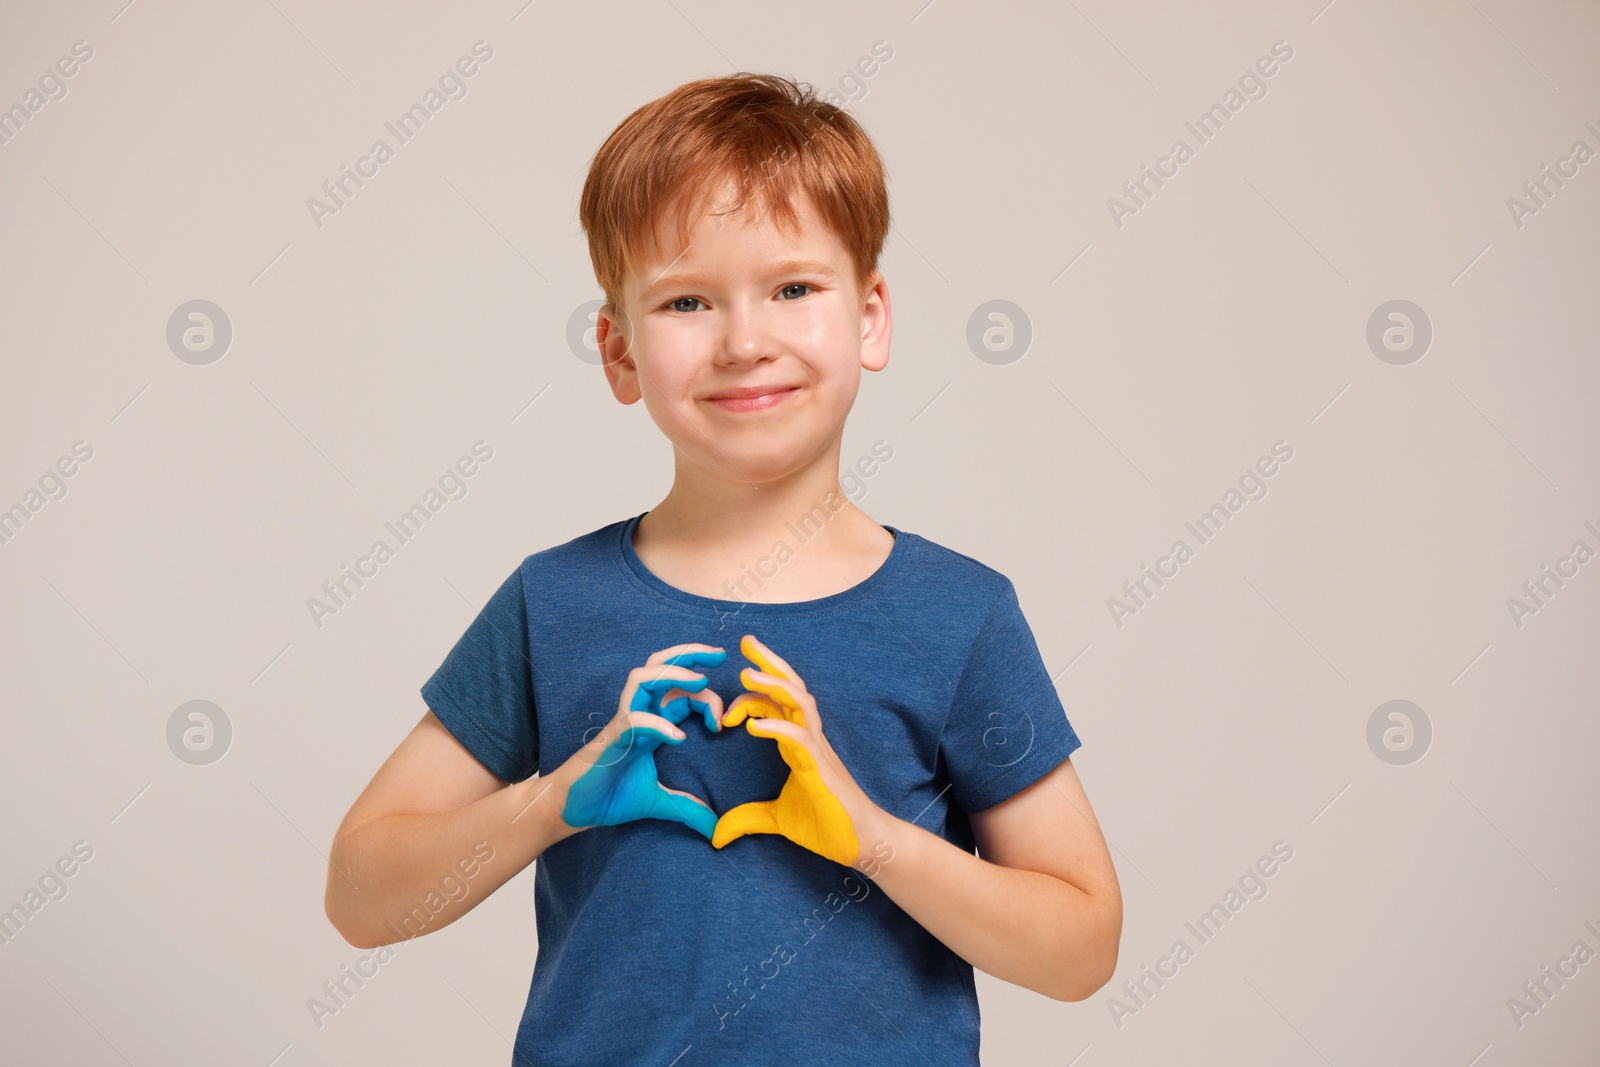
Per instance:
{"type": "Point", "coordinates": [752, 397]}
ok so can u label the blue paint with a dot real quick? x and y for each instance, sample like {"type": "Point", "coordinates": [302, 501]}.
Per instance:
{"type": "Point", "coordinates": [648, 696]}
{"type": "Point", "coordinates": [622, 786]}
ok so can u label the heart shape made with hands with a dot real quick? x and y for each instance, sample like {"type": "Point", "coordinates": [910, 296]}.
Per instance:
{"type": "Point", "coordinates": [805, 811]}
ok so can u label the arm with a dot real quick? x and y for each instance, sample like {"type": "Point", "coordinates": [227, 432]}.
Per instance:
{"type": "Point", "coordinates": [435, 832]}
{"type": "Point", "coordinates": [1041, 909]}
{"type": "Point", "coordinates": [399, 851]}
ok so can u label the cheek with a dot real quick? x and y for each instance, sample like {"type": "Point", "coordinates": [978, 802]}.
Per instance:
{"type": "Point", "coordinates": [826, 338]}
{"type": "Point", "coordinates": [843, 384]}
{"type": "Point", "coordinates": [831, 347]}
{"type": "Point", "coordinates": [667, 360]}
{"type": "Point", "coordinates": [668, 405]}
{"type": "Point", "coordinates": [838, 349]}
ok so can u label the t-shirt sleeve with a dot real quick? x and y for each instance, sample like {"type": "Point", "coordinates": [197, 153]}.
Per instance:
{"type": "Point", "coordinates": [1007, 727]}
{"type": "Point", "coordinates": [483, 691]}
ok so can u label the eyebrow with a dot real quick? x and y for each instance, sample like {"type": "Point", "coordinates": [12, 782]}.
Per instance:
{"type": "Point", "coordinates": [785, 266]}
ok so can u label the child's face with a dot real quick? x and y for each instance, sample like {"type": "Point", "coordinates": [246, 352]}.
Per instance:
{"type": "Point", "coordinates": [742, 306]}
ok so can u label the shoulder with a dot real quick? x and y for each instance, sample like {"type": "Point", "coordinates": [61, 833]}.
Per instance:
{"type": "Point", "coordinates": [967, 582]}
{"type": "Point", "coordinates": [597, 548]}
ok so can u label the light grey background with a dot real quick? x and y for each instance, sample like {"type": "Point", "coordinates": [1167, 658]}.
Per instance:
{"type": "Point", "coordinates": [1168, 353]}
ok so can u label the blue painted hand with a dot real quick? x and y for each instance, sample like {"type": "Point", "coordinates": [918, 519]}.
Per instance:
{"type": "Point", "coordinates": [620, 781]}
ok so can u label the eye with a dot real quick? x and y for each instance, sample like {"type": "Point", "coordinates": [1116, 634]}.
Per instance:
{"type": "Point", "coordinates": [796, 285]}
{"type": "Point", "coordinates": [673, 304]}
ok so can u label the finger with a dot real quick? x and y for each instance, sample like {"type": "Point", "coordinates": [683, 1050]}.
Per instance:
{"type": "Point", "coordinates": [690, 655]}
{"type": "Point", "coordinates": [676, 806]}
{"type": "Point", "coordinates": [699, 660]}
{"type": "Point", "coordinates": [677, 706]}
{"type": "Point", "coordinates": [645, 720]}
{"type": "Point", "coordinates": [648, 685]}
{"type": "Point", "coordinates": [794, 744]}
{"type": "Point", "coordinates": [778, 689]}
{"type": "Point", "coordinates": [624, 740]}
{"type": "Point", "coordinates": [637, 741]}
{"type": "Point", "coordinates": [712, 709]}
{"type": "Point", "coordinates": [768, 660]}
{"type": "Point", "coordinates": [641, 727]}
{"type": "Point", "coordinates": [624, 719]}
{"type": "Point", "coordinates": [657, 684]}
{"type": "Point", "coordinates": [750, 705]}
{"type": "Point", "coordinates": [753, 818]}
{"type": "Point", "coordinates": [776, 728]}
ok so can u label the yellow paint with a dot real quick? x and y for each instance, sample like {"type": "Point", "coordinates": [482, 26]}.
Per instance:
{"type": "Point", "coordinates": [806, 811]}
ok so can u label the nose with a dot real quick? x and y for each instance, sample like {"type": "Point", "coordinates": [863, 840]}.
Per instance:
{"type": "Point", "coordinates": [746, 334]}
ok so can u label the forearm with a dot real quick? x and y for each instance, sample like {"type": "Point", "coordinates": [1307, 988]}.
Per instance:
{"type": "Point", "coordinates": [396, 877]}
{"type": "Point", "coordinates": [1024, 927]}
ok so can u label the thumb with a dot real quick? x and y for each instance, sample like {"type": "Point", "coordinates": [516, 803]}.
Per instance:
{"type": "Point", "coordinates": [749, 706]}
{"type": "Point", "coordinates": [753, 818]}
{"type": "Point", "coordinates": [640, 740]}
{"type": "Point", "coordinates": [691, 811]}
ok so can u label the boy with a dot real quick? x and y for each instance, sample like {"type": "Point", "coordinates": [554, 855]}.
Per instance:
{"type": "Point", "coordinates": [697, 894]}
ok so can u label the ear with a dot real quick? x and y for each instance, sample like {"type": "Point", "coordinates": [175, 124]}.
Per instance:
{"type": "Point", "coordinates": [876, 324]}
{"type": "Point", "coordinates": [614, 339]}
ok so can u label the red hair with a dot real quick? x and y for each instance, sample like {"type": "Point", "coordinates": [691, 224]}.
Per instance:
{"type": "Point", "coordinates": [771, 136]}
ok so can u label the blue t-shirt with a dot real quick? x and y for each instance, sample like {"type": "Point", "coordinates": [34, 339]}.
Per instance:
{"type": "Point", "coordinates": [655, 947]}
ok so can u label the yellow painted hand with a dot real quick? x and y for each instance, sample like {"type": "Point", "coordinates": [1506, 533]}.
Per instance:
{"type": "Point", "coordinates": [809, 810]}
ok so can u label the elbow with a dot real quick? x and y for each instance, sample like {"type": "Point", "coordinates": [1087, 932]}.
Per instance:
{"type": "Point", "coordinates": [1086, 987]}
{"type": "Point", "coordinates": [362, 943]}
{"type": "Point", "coordinates": [357, 929]}
{"type": "Point", "coordinates": [1086, 983]}
{"type": "Point", "coordinates": [344, 916]}
{"type": "Point", "coordinates": [360, 930]}
{"type": "Point", "coordinates": [342, 923]}
{"type": "Point", "coordinates": [1092, 971]}
{"type": "Point", "coordinates": [354, 935]}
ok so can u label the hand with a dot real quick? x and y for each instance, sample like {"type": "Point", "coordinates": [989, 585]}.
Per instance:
{"type": "Point", "coordinates": [615, 773]}
{"type": "Point", "coordinates": [652, 693]}
{"type": "Point", "coordinates": [820, 805]}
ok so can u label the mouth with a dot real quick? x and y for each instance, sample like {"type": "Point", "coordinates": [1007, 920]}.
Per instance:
{"type": "Point", "coordinates": [753, 398]}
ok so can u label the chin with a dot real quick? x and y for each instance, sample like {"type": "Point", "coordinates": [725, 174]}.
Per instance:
{"type": "Point", "coordinates": [763, 464]}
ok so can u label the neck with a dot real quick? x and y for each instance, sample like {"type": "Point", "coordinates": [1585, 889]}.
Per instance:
{"type": "Point", "coordinates": [730, 510]}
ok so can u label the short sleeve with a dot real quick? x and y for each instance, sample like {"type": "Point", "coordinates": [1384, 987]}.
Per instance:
{"type": "Point", "coordinates": [1007, 727]}
{"type": "Point", "coordinates": [483, 691]}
